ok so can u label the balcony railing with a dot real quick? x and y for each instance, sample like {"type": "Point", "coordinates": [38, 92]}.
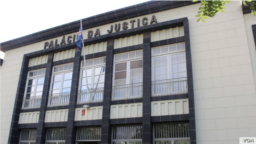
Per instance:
{"type": "Point", "coordinates": [62, 99]}
{"type": "Point", "coordinates": [92, 96]}
{"type": "Point", "coordinates": [131, 91]}
{"type": "Point", "coordinates": [31, 103]}
{"type": "Point", "coordinates": [169, 87]}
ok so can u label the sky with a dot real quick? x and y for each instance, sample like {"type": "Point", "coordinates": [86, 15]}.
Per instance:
{"type": "Point", "coordinates": [22, 17]}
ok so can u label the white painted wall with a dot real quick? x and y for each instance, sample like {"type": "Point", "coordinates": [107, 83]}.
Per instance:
{"type": "Point", "coordinates": [224, 83]}
{"type": "Point", "coordinates": [29, 117]}
{"type": "Point", "coordinates": [92, 113]}
{"type": "Point", "coordinates": [56, 115]}
{"type": "Point", "coordinates": [126, 110]}
{"type": "Point", "coordinates": [169, 107]}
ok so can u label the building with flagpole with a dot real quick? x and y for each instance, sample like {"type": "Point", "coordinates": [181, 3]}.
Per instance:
{"type": "Point", "coordinates": [147, 73]}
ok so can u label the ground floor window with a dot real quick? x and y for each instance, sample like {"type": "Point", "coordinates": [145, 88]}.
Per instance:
{"type": "Point", "coordinates": [28, 136]}
{"type": "Point", "coordinates": [171, 133]}
{"type": "Point", "coordinates": [56, 136]}
{"type": "Point", "coordinates": [88, 134]}
{"type": "Point", "coordinates": [127, 134]}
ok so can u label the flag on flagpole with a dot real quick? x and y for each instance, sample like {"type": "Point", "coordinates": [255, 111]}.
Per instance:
{"type": "Point", "coordinates": [79, 40]}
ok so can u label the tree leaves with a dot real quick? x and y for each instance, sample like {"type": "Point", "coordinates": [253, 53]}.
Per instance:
{"type": "Point", "coordinates": [211, 8]}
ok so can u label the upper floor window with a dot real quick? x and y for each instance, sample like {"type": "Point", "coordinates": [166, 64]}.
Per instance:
{"type": "Point", "coordinates": [92, 80]}
{"type": "Point", "coordinates": [127, 75]}
{"type": "Point", "coordinates": [61, 84]}
{"type": "Point", "coordinates": [56, 136]}
{"type": "Point", "coordinates": [169, 72]}
{"type": "Point", "coordinates": [34, 88]}
{"type": "Point", "coordinates": [131, 134]}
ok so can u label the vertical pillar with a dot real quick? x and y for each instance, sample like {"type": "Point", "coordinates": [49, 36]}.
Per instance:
{"type": "Point", "coordinates": [71, 131]}
{"type": "Point", "coordinates": [192, 123]}
{"type": "Point", "coordinates": [105, 128]}
{"type": "Point", "coordinates": [14, 133]}
{"type": "Point", "coordinates": [146, 123]}
{"type": "Point", "coordinates": [41, 131]}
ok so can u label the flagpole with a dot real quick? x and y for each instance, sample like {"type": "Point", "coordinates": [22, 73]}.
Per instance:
{"type": "Point", "coordinates": [84, 57]}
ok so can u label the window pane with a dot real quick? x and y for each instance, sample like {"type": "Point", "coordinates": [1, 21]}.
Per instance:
{"type": "Point", "coordinates": [120, 75]}
{"type": "Point", "coordinates": [136, 64]}
{"type": "Point", "coordinates": [33, 89]}
{"type": "Point", "coordinates": [56, 91]}
{"type": "Point", "coordinates": [181, 67]}
{"type": "Point", "coordinates": [183, 75]}
{"type": "Point", "coordinates": [40, 81]}
{"type": "Point", "coordinates": [174, 59]}
{"type": "Point", "coordinates": [28, 96]}
{"type": "Point", "coordinates": [30, 82]}
{"type": "Point", "coordinates": [132, 54]}
{"type": "Point", "coordinates": [120, 82]}
{"type": "Point", "coordinates": [120, 66]}
{"type": "Point", "coordinates": [139, 53]}
{"type": "Point", "coordinates": [181, 47]}
{"type": "Point", "coordinates": [160, 61]}
{"type": "Point", "coordinates": [56, 85]}
{"type": "Point", "coordinates": [174, 68]}
{"type": "Point", "coordinates": [89, 72]}
{"type": "Point", "coordinates": [160, 77]}
{"type": "Point", "coordinates": [66, 91]}
{"type": "Point", "coordinates": [160, 70]}
{"type": "Point", "coordinates": [30, 74]}
{"type": "Point", "coordinates": [125, 56]}
{"type": "Point", "coordinates": [100, 80]}
{"type": "Point", "coordinates": [172, 48]}
{"type": "Point", "coordinates": [100, 85]}
{"type": "Point", "coordinates": [136, 73]}
{"type": "Point", "coordinates": [68, 76]}
{"type": "Point", "coordinates": [99, 70]}
{"type": "Point", "coordinates": [57, 77]}
{"type": "Point", "coordinates": [164, 49]}
{"type": "Point", "coordinates": [136, 80]}
{"type": "Point", "coordinates": [181, 58]}
{"type": "Point", "coordinates": [28, 89]}
{"type": "Point", "coordinates": [39, 88]}
{"type": "Point", "coordinates": [88, 79]}
{"type": "Point", "coordinates": [38, 94]}
{"type": "Point", "coordinates": [67, 83]}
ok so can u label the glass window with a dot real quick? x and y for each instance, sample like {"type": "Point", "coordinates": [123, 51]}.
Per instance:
{"type": "Point", "coordinates": [88, 134]}
{"type": "Point", "coordinates": [171, 133]}
{"type": "Point", "coordinates": [28, 136]}
{"type": "Point", "coordinates": [61, 80]}
{"type": "Point", "coordinates": [169, 72]}
{"type": "Point", "coordinates": [127, 75]}
{"type": "Point", "coordinates": [56, 136]}
{"type": "Point", "coordinates": [92, 80]}
{"type": "Point", "coordinates": [127, 134]}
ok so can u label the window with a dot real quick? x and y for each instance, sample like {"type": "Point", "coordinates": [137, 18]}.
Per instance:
{"type": "Point", "coordinates": [34, 89]}
{"type": "Point", "coordinates": [56, 136]}
{"type": "Point", "coordinates": [127, 77]}
{"type": "Point", "coordinates": [88, 134]}
{"type": "Point", "coordinates": [61, 84]}
{"type": "Point", "coordinates": [169, 73]}
{"type": "Point", "coordinates": [127, 134]}
{"type": "Point", "coordinates": [28, 136]}
{"type": "Point", "coordinates": [95, 77]}
{"type": "Point", "coordinates": [171, 133]}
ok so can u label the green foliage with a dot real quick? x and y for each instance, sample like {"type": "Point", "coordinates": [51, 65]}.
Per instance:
{"type": "Point", "coordinates": [211, 8]}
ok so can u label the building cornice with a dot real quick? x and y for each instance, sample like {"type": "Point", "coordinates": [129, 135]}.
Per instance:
{"type": "Point", "coordinates": [94, 21]}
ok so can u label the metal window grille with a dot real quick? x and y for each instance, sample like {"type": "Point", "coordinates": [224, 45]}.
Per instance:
{"type": "Point", "coordinates": [56, 136]}
{"type": "Point", "coordinates": [88, 134]}
{"type": "Point", "coordinates": [171, 133]}
{"type": "Point", "coordinates": [28, 136]}
{"type": "Point", "coordinates": [127, 134]}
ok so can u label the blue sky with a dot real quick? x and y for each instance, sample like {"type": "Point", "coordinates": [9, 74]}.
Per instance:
{"type": "Point", "coordinates": [23, 17]}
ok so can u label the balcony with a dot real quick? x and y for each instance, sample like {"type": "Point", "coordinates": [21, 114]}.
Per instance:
{"type": "Point", "coordinates": [169, 87]}
{"type": "Point", "coordinates": [90, 97]}
{"type": "Point", "coordinates": [57, 100]}
{"type": "Point", "coordinates": [31, 103]}
{"type": "Point", "coordinates": [131, 91]}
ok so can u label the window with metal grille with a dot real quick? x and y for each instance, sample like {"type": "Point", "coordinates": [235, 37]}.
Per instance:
{"type": "Point", "coordinates": [169, 72]}
{"type": "Point", "coordinates": [88, 134]}
{"type": "Point", "coordinates": [56, 136]}
{"type": "Point", "coordinates": [127, 134]}
{"type": "Point", "coordinates": [127, 75]}
{"type": "Point", "coordinates": [34, 89]}
{"type": "Point", "coordinates": [171, 133]}
{"type": "Point", "coordinates": [28, 136]}
{"type": "Point", "coordinates": [94, 78]}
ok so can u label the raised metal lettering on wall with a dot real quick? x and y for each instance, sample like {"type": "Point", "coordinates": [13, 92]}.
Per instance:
{"type": "Point", "coordinates": [169, 107]}
{"type": "Point", "coordinates": [91, 113]}
{"type": "Point", "coordinates": [29, 117]}
{"type": "Point", "coordinates": [38, 60]}
{"type": "Point", "coordinates": [56, 115]}
{"type": "Point", "coordinates": [167, 33]}
{"type": "Point", "coordinates": [126, 110]}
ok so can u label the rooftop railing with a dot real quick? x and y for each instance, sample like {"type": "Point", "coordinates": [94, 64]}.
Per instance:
{"type": "Point", "coordinates": [130, 91]}
{"type": "Point", "coordinates": [169, 87]}
{"type": "Point", "coordinates": [60, 99]}
{"type": "Point", "coordinates": [92, 96]}
{"type": "Point", "coordinates": [31, 103]}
